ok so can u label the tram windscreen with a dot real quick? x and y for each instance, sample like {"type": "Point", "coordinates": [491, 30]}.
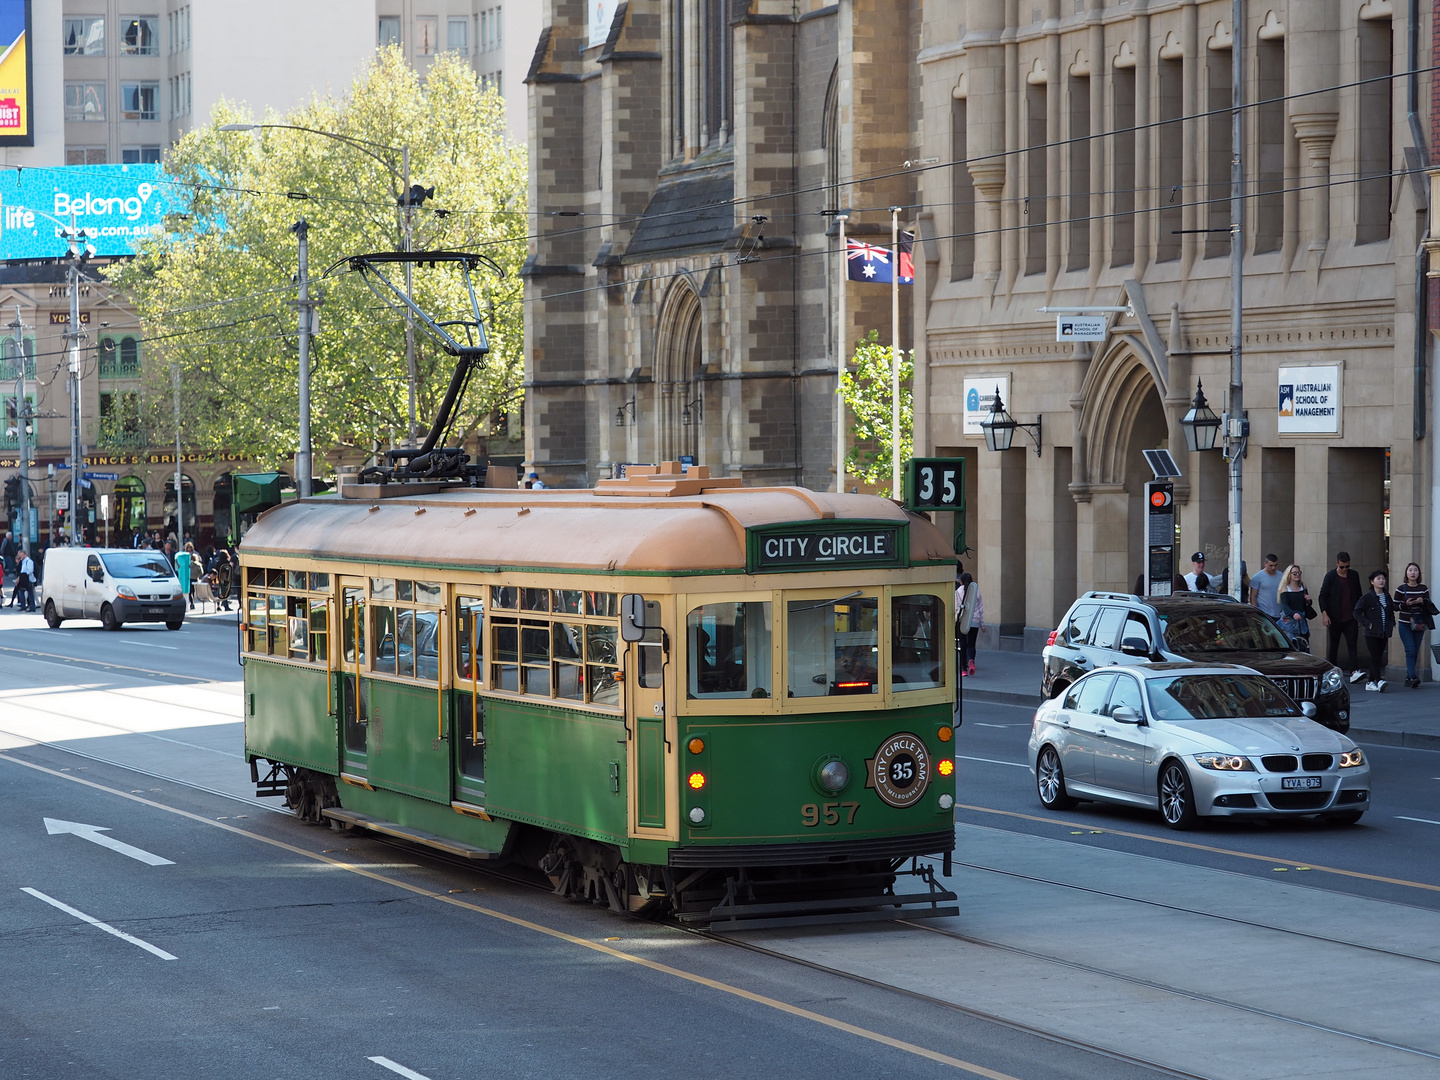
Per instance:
{"type": "Point", "coordinates": [729, 651]}
{"type": "Point", "coordinates": [833, 646]}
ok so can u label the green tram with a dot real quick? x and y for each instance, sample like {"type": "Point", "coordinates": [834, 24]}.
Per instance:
{"type": "Point", "coordinates": [669, 692]}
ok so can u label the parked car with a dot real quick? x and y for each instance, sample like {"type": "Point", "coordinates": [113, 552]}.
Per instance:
{"type": "Point", "coordinates": [1193, 740]}
{"type": "Point", "coordinates": [1104, 628]}
{"type": "Point", "coordinates": [114, 585]}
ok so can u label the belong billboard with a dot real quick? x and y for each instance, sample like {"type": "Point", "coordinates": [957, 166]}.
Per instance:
{"type": "Point", "coordinates": [117, 205]}
{"type": "Point", "coordinates": [16, 75]}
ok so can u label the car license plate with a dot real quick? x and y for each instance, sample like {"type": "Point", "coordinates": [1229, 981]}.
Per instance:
{"type": "Point", "coordinates": [1300, 783]}
{"type": "Point", "coordinates": [155, 611]}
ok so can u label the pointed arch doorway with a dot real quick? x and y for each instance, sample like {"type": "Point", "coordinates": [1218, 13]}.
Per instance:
{"type": "Point", "coordinates": [679, 359]}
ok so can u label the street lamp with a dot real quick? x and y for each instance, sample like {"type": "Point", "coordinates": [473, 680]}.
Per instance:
{"type": "Point", "coordinates": [1202, 426]}
{"type": "Point", "coordinates": [409, 198]}
{"type": "Point", "coordinates": [999, 427]}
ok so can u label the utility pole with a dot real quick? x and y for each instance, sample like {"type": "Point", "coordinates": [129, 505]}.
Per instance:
{"type": "Point", "coordinates": [409, 291]}
{"type": "Point", "coordinates": [1236, 426]}
{"type": "Point", "coordinates": [179, 478]}
{"type": "Point", "coordinates": [79, 251]}
{"type": "Point", "coordinates": [22, 416]}
{"type": "Point", "coordinates": [303, 469]}
{"type": "Point", "coordinates": [841, 360]}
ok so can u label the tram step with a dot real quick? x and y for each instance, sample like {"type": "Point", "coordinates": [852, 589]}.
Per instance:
{"type": "Point", "coordinates": [404, 832]}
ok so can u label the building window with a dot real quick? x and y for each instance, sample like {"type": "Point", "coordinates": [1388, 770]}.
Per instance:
{"type": "Point", "coordinates": [85, 36]}
{"type": "Point", "coordinates": [84, 101]}
{"type": "Point", "coordinates": [180, 94]}
{"type": "Point", "coordinates": [140, 101]}
{"type": "Point", "coordinates": [1080, 145]}
{"type": "Point", "coordinates": [962, 194]}
{"type": "Point", "coordinates": [491, 81]}
{"type": "Point", "coordinates": [119, 359]}
{"type": "Point", "coordinates": [457, 38]}
{"type": "Point", "coordinates": [85, 155]}
{"type": "Point", "coordinates": [140, 35]}
{"type": "Point", "coordinates": [1037, 189]}
{"type": "Point", "coordinates": [140, 155]}
{"type": "Point", "coordinates": [389, 31]}
{"type": "Point", "coordinates": [1122, 172]}
{"type": "Point", "coordinates": [1217, 156]}
{"type": "Point", "coordinates": [489, 30]}
{"type": "Point", "coordinates": [1271, 131]}
{"type": "Point", "coordinates": [1374, 132]}
{"type": "Point", "coordinates": [179, 22]}
{"type": "Point", "coordinates": [427, 35]}
{"type": "Point", "coordinates": [1170, 162]}
{"type": "Point", "coordinates": [717, 91]}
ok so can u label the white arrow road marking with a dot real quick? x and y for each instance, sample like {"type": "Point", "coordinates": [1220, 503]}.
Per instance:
{"type": "Point", "coordinates": [161, 953]}
{"type": "Point", "coordinates": [409, 1074]}
{"type": "Point", "coordinates": [92, 833]}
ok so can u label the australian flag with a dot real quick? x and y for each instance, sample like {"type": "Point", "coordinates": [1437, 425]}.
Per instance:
{"type": "Point", "coordinates": [866, 262]}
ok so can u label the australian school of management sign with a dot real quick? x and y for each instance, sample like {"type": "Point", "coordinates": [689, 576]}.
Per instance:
{"type": "Point", "coordinates": [1309, 400]}
{"type": "Point", "coordinates": [117, 206]}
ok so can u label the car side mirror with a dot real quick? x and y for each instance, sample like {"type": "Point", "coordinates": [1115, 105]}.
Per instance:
{"type": "Point", "coordinates": [1124, 714]}
{"type": "Point", "coordinates": [1134, 646]}
{"type": "Point", "coordinates": [637, 615]}
{"type": "Point", "coordinates": [1308, 708]}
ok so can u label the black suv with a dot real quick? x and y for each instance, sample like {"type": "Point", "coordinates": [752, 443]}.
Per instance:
{"type": "Point", "coordinates": [1103, 628]}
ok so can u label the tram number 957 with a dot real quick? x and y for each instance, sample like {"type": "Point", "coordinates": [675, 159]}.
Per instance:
{"type": "Point", "coordinates": [811, 815]}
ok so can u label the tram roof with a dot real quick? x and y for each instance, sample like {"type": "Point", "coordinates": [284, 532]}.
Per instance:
{"type": "Point", "coordinates": [575, 529]}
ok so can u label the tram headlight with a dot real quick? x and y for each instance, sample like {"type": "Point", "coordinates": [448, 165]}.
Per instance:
{"type": "Point", "coordinates": [834, 776]}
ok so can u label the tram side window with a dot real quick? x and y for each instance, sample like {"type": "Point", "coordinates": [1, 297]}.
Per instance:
{"type": "Point", "coordinates": [280, 619]}
{"type": "Point", "coordinates": [833, 646]}
{"type": "Point", "coordinates": [406, 635]}
{"type": "Point", "coordinates": [916, 630]}
{"type": "Point", "coordinates": [469, 636]}
{"type": "Point", "coordinates": [729, 651]}
{"type": "Point", "coordinates": [542, 644]}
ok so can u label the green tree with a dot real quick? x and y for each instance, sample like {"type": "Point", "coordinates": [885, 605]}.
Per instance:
{"type": "Point", "coordinates": [215, 294]}
{"type": "Point", "coordinates": [866, 388]}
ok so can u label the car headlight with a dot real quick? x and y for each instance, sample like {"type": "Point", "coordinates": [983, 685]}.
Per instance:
{"type": "Point", "coordinates": [1352, 758]}
{"type": "Point", "coordinates": [1331, 681]}
{"type": "Point", "coordinates": [1224, 762]}
{"type": "Point", "coordinates": [125, 591]}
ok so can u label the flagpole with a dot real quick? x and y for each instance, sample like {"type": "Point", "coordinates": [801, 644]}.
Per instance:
{"type": "Point", "coordinates": [840, 364]}
{"type": "Point", "coordinates": [895, 352]}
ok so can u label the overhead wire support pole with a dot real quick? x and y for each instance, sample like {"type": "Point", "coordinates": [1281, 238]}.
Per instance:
{"type": "Point", "coordinates": [895, 352]}
{"type": "Point", "coordinates": [77, 446]}
{"type": "Point", "coordinates": [411, 373]}
{"type": "Point", "coordinates": [303, 467]}
{"type": "Point", "coordinates": [1235, 427]}
{"type": "Point", "coordinates": [179, 478]}
{"type": "Point", "coordinates": [841, 358]}
{"type": "Point", "coordinates": [22, 417]}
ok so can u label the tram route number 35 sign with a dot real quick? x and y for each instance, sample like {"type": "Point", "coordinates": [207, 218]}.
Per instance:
{"type": "Point", "coordinates": [935, 484]}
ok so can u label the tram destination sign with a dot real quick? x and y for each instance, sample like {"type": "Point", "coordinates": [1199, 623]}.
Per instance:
{"type": "Point", "coordinates": [818, 545]}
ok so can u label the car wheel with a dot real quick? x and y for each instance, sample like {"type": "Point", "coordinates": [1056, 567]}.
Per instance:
{"type": "Point", "coordinates": [174, 624]}
{"type": "Point", "coordinates": [1177, 798]}
{"type": "Point", "coordinates": [52, 617]}
{"type": "Point", "coordinates": [107, 618]}
{"type": "Point", "coordinates": [1050, 781]}
{"type": "Point", "coordinates": [1348, 818]}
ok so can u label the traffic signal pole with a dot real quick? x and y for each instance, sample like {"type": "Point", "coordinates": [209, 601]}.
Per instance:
{"type": "Point", "coordinates": [21, 419]}
{"type": "Point", "coordinates": [77, 448]}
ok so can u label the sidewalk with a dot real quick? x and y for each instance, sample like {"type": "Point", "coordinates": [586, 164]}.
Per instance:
{"type": "Point", "coordinates": [1398, 717]}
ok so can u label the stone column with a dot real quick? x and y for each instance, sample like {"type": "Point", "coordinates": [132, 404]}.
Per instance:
{"type": "Point", "coordinates": [985, 129]}
{"type": "Point", "coordinates": [1313, 55]}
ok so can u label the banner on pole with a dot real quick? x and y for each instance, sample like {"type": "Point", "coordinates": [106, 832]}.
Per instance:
{"type": "Point", "coordinates": [868, 262]}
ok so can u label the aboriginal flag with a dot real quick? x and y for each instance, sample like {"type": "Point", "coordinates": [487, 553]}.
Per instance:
{"type": "Point", "coordinates": [866, 262]}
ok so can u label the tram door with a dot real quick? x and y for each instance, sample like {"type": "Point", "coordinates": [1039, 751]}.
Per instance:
{"type": "Point", "coordinates": [354, 703]}
{"type": "Point", "coordinates": [651, 746]}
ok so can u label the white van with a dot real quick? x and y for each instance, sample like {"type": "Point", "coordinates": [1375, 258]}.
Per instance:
{"type": "Point", "coordinates": [114, 585]}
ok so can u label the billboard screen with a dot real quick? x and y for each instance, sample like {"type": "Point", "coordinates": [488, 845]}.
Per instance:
{"type": "Point", "coordinates": [118, 205]}
{"type": "Point", "coordinates": [16, 82]}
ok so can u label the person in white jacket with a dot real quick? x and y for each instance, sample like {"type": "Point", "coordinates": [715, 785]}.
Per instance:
{"type": "Point", "coordinates": [969, 621]}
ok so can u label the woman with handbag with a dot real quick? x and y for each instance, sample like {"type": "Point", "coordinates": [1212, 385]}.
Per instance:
{"type": "Point", "coordinates": [1296, 610]}
{"type": "Point", "coordinates": [1414, 614]}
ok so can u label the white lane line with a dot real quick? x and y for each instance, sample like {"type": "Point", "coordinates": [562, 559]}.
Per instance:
{"type": "Point", "coordinates": [409, 1074]}
{"type": "Point", "coordinates": [161, 953]}
{"type": "Point", "coordinates": [992, 761]}
{"type": "Point", "coordinates": [148, 645]}
{"type": "Point", "coordinates": [1421, 820]}
{"type": "Point", "coordinates": [978, 724]}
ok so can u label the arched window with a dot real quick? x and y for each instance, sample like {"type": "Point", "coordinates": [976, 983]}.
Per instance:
{"type": "Point", "coordinates": [679, 355]}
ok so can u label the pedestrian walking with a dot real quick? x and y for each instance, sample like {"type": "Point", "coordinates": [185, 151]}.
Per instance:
{"type": "Point", "coordinates": [8, 549]}
{"type": "Point", "coordinates": [969, 621]}
{"type": "Point", "coordinates": [1414, 614]}
{"type": "Point", "coordinates": [1340, 591]}
{"type": "Point", "coordinates": [1292, 597]}
{"type": "Point", "coordinates": [187, 572]}
{"type": "Point", "coordinates": [25, 581]}
{"type": "Point", "coordinates": [1375, 612]}
{"type": "Point", "coordinates": [1265, 587]}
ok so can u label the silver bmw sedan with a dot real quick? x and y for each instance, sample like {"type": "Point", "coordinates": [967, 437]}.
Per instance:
{"type": "Point", "coordinates": [1193, 740]}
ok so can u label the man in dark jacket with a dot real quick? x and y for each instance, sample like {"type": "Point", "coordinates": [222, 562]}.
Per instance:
{"type": "Point", "coordinates": [1339, 593]}
{"type": "Point", "coordinates": [1376, 615]}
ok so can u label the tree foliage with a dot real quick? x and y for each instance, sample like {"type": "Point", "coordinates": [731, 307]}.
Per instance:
{"type": "Point", "coordinates": [216, 293]}
{"type": "Point", "coordinates": [866, 388]}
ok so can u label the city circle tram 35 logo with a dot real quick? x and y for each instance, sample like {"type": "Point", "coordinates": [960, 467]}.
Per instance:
{"type": "Point", "coordinates": [900, 770]}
